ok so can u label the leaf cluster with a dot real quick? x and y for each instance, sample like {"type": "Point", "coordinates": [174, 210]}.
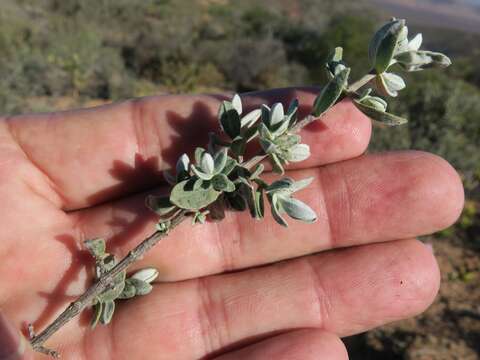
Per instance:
{"type": "Point", "coordinates": [220, 178]}
{"type": "Point", "coordinates": [122, 287]}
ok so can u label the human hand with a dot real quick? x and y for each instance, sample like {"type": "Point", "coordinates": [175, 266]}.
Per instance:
{"type": "Point", "coordinates": [70, 176]}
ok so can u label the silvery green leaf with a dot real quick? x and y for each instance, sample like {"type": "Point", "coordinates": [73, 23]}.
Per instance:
{"type": "Point", "coordinates": [259, 206]}
{"type": "Point", "coordinates": [264, 132]}
{"type": "Point", "coordinates": [220, 160]}
{"type": "Point", "coordinates": [186, 197]}
{"type": "Point", "coordinates": [148, 275]}
{"type": "Point", "coordinates": [96, 247]}
{"type": "Point", "coordinates": [383, 44]}
{"type": "Point", "coordinates": [128, 291]}
{"type": "Point", "coordinates": [183, 163]}
{"type": "Point", "coordinates": [265, 115]}
{"type": "Point", "coordinates": [107, 312]}
{"type": "Point", "coordinates": [277, 164]}
{"type": "Point", "coordinates": [292, 113]}
{"type": "Point", "coordinates": [297, 209]}
{"type": "Point", "coordinates": [221, 182]}
{"type": "Point", "coordinates": [335, 63]}
{"type": "Point", "coordinates": [141, 287]}
{"type": "Point", "coordinates": [389, 84]}
{"type": "Point", "coordinates": [229, 166]}
{"type": "Point", "coordinates": [300, 185]}
{"type": "Point", "coordinates": [288, 140]}
{"type": "Point", "coordinates": [277, 114]}
{"type": "Point", "coordinates": [277, 210]}
{"type": "Point", "coordinates": [199, 173]}
{"type": "Point", "coordinates": [257, 172]}
{"type": "Point", "coordinates": [97, 312]}
{"type": "Point", "coordinates": [280, 128]}
{"type": "Point", "coordinates": [229, 119]}
{"type": "Point", "coordinates": [374, 102]}
{"type": "Point", "coordinates": [331, 92]}
{"type": "Point", "coordinates": [380, 116]}
{"type": "Point", "coordinates": [198, 155]}
{"type": "Point", "coordinates": [402, 42]}
{"type": "Point", "coordinates": [415, 43]}
{"type": "Point", "coordinates": [439, 60]}
{"type": "Point", "coordinates": [237, 103]}
{"type": "Point", "coordinates": [267, 146]}
{"type": "Point", "coordinates": [248, 134]}
{"type": "Point", "coordinates": [281, 185]}
{"type": "Point", "coordinates": [251, 118]}
{"type": "Point", "coordinates": [207, 163]}
{"type": "Point", "coordinates": [298, 152]}
{"type": "Point", "coordinates": [238, 146]}
{"type": "Point", "coordinates": [159, 204]}
{"type": "Point", "coordinates": [421, 60]}
{"type": "Point", "coordinates": [199, 184]}
{"type": "Point", "coordinates": [337, 54]}
{"type": "Point", "coordinates": [293, 107]}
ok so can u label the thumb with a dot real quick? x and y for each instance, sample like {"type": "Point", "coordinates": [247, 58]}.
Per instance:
{"type": "Point", "coordinates": [13, 346]}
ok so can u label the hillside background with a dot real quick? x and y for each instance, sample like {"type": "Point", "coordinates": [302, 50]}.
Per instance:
{"type": "Point", "coordinates": [59, 54]}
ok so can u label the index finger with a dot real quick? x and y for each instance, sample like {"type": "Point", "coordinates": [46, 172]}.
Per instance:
{"type": "Point", "coordinates": [95, 155]}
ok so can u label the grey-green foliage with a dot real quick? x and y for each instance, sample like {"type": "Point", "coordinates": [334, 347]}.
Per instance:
{"type": "Point", "coordinates": [122, 287]}
{"type": "Point", "coordinates": [222, 178]}
{"type": "Point", "coordinates": [390, 46]}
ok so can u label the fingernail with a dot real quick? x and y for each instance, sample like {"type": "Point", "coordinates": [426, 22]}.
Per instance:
{"type": "Point", "coordinates": [12, 345]}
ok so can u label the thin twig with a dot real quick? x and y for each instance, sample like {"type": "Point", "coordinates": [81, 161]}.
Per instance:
{"type": "Point", "coordinates": [100, 286]}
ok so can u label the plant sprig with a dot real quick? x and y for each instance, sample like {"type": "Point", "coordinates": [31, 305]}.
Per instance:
{"type": "Point", "coordinates": [220, 178]}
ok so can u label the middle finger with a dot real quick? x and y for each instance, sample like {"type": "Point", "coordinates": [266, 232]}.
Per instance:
{"type": "Point", "coordinates": [370, 199]}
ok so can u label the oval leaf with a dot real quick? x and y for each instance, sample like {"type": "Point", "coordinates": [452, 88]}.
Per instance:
{"type": "Point", "coordinates": [229, 120]}
{"type": "Point", "coordinates": [298, 152]}
{"type": "Point", "coordinates": [221, 182]}
{"type": "Point", "coordinates": [297, 209]}
{"type": "Point", "coordinates": [331, 92]}
{"type": "Point", "coordinates": [237, 104]}
{"type": "Point", "coordinates": [380, 116]}
{"type": "Point", "coordinates": [96, 247]}
{"type": "Point", "coordinates": [148, 275]}
{"type": "Point", "coordinates": [277, 114]}
{"type": "Point", "coordinates": [141, 287]}
{"type": "Point", "coordinates": [107, 312]}
{"type": "Point", "coordinates": [159, 204]}
{"type": "Point", "coordinates": [184, 196]}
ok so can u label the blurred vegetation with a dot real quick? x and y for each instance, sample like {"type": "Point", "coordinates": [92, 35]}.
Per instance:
{"type": "Point", "coordinates": [114, 49]}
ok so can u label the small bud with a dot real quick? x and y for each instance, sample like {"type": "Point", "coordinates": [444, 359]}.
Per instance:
{"type": "Point", "coordinates": [375, 102]}
{"type": "Point", "coordinates": [183, 163]}
{"type": "Point", "coordinates": [207, 164]}
{"type": "Point", "coordinates": [148, 275]}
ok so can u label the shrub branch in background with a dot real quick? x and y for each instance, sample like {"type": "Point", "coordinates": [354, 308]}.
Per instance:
{"type": "Point", "coordinates": [221, 178]}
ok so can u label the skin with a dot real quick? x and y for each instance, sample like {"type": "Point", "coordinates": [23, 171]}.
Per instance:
{"type": "Point", "coordinates": [231, 290]}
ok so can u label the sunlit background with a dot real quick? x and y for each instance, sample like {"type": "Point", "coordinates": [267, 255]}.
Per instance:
{"type": "Point", "coordinates": [59, 54]}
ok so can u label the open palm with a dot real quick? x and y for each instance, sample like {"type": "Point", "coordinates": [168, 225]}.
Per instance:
{"type": "Point", "coordinates": [234, 290]}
